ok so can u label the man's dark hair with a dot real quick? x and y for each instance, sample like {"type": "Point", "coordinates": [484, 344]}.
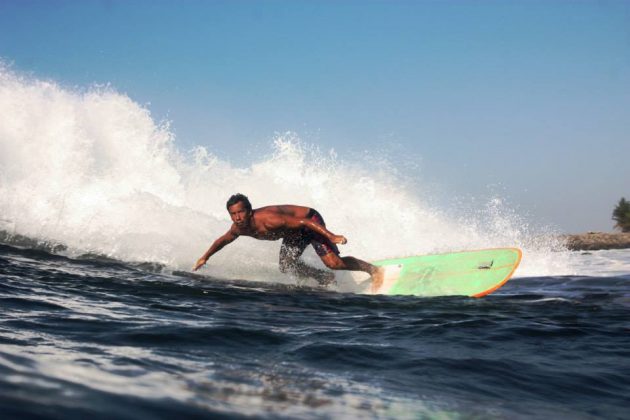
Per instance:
{"type": "Point", "coordinates": [239, 198]}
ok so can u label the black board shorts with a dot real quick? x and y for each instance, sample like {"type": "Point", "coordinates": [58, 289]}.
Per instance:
{"type": "Point", "coordinates": [304, 236]}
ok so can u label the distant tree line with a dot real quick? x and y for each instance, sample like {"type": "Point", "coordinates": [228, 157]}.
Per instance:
{"type": "Point", "coordinates": [621, 215]}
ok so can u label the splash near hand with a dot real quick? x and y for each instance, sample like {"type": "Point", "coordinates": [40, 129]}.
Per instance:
{"type": "Point", "coordinates": [339, 239]}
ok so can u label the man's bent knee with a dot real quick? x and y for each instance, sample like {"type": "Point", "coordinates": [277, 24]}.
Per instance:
{"type": "Point", "coordinates": [333, 261]}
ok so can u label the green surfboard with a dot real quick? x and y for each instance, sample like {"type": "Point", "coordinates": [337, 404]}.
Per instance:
{"type": "Point", "coordinates": [467, 273]}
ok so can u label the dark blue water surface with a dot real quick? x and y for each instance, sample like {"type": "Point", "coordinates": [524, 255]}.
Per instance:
{"type": "Point", "coordinates": [91, 338]}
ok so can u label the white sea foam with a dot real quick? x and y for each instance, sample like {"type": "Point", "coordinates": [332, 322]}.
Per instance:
{"type": "Point", "coordinates": [609, 263]}
{"type": "Point", "coordinates": [92, 169]}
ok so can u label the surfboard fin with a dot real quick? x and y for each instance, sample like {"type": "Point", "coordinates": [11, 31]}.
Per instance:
{"type": "Point", "coordinates": [486, 265]}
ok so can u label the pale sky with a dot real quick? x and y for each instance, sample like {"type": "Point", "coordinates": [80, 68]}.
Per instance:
{"type": "Point", "coordinates": [527, 99]}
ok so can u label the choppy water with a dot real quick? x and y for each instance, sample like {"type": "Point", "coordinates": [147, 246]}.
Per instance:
{"type": "Point", "coordinates": [101, 338]}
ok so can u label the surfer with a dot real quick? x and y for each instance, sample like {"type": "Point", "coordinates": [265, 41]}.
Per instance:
{"type": "Point", "coordinates": [298, 227]}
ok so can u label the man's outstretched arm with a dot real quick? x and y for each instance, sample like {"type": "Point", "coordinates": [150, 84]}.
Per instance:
{"type": "Point", "coordinates": [296, 223]}
{"type": "Point", "coordinates": [216, 246]}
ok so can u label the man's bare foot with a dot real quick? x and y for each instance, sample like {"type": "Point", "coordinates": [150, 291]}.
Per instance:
{"type": "Point", "coordinates": [377, 279]}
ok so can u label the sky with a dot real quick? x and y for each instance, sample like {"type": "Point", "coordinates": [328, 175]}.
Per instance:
{"type": "Point", "coordinates": [526, 99]}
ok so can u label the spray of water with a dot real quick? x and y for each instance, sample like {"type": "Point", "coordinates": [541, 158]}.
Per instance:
{"type": "Point", "coordinates": [92, 170]}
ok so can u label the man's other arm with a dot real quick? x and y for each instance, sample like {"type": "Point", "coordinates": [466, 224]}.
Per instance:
{"type": "Point", "coordinates": [216, 246]}
{"type": "Point", "coordinates": [297, 223]}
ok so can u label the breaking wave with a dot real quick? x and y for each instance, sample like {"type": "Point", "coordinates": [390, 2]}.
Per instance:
{"type": "Point", "coordinates": [93, 171]}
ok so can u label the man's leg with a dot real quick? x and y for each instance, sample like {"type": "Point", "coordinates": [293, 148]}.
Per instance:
{"type": "Point", "coordinates": [290, 262]}
{"type": "Point", "coordinates": [335, 262]}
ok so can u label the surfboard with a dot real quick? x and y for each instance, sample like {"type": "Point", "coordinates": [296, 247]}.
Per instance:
{"type": "Point", "coordinates": [467, 273]}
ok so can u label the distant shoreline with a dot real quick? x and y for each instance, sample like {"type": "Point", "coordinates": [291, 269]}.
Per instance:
{"type": "Point", "coordinates": [592, 241]}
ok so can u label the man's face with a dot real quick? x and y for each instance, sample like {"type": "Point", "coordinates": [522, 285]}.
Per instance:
{"type": "Point", "coordinates": [239, 214]}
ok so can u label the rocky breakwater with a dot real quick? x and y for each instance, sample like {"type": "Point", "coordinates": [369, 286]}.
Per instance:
{"type": "Point", "coordinates": [597, 240]}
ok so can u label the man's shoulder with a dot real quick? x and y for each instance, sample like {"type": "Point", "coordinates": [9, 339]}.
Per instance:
{"type": "Point", "coordinates": [265, 213]}
{"type": "Point", "coordinates": [272, 211]}
{"type": "Point", "coordinates": [275, 208]}
{"type": "Point", "coordinates": [288, 209]}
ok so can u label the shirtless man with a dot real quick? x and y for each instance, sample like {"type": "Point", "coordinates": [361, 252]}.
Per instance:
{"type": "Point", "coordinates": [298, 227]}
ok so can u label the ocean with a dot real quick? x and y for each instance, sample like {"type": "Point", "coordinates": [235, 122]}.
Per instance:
{"type": "Point", "coordinates": [102, 216]}
{"type": "Point", "coordinates": [90, 337]}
